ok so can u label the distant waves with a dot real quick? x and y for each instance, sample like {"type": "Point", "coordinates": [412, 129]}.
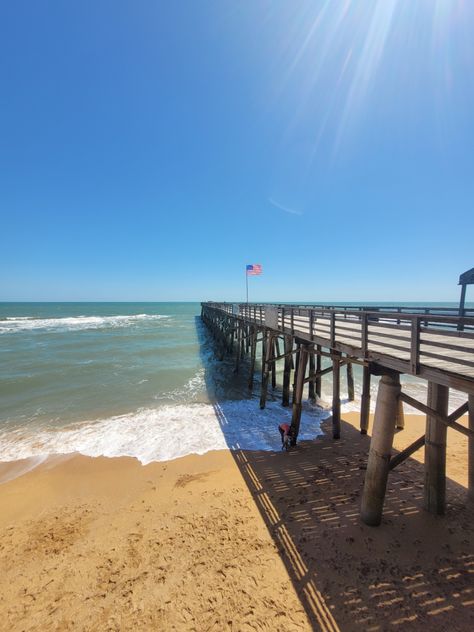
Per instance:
{"type": "Point", "coordinates": [28, 323]}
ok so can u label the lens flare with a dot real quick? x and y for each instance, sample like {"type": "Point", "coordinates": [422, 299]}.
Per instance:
{"type": "Point", "coordinates": [336, 57]}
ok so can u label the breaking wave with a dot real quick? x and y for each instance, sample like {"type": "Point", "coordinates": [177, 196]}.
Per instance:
{"type": "Point", "coordinates": [164, 433]}
{"type": "Point", "coordinates": [75, 323]}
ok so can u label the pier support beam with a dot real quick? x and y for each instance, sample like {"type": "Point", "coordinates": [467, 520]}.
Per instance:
{"type": "Point", "coordinates": [365, 401]}
{"type": "Point", "coordinates": [350, 382]}
{"type": "Point", "coordinates": [298, 392]}
{"type": "Point", "coordinates": [231, 339]}
{"type": "Point", "coordinates": [222, 346]}
{"type": "Point", "coordinates": [288, 346]}
{"type": "Point", "coordinates": [273, 363]}
{"type": "Point", "coordinates": [318, 370]}
{"type": "Point", "coordinates": [264, 351]}
{"type": "Point", "coordinates": [267, 362]}
{"type": "Point", "coordinates": [297, 365]}
{"type": "Point", "coordinates": [375, 483]}
{"type": "Point", "coordinates": [435, 450]}
{"type": "Point", "coordinates": [238, 350]}
{"type": "Point", "coordinates": [400, 420]}
{"type": "Point", "coordinates": [311, 385]}
{"type": "Point", "coordinates": [253, 353]}
{"type": "Point", "coordinates": [223, 336]}
{"type": "Point", "coordinates": [336, 396]}
{"type": "Point", "coordinates": [471, 449]}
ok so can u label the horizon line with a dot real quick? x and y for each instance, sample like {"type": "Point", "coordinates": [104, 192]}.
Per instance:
{"type": "Point", "coordinates": [344, 302]}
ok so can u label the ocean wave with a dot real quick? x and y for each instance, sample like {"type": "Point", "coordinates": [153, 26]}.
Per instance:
{"type": "Point", "coordinates": [73, 323]}
{"type": "Point", "coordinates": [164, 433]}
{"type": "Point", "coordinates": [194, 388]}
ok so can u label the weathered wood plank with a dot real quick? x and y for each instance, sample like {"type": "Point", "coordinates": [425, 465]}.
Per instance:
{"type": "Point", "coordinates": [350, 382]}
{"type": "Point", "coordinates": [406, 453]}
{"type": "Point", "coordinates": [253, 354]}
{"type": "Point", "coordinates": [267, 358]}
{"type": "Point", "coordinates": [375, 483]}
{"type": "Point", "coordinates": [298, 391]}
{"type": "Point", "coordinates": [336, 396]}
{"type": "Point", "coordinates": [288, 342]}
{"type": "Point", "coordinates": [365, 401]}
{"type": "Point", "coordinates": [471, 448]}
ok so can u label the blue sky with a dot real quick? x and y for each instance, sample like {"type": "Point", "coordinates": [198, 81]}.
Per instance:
{"type": "Point", "coordinates": [149, 150]}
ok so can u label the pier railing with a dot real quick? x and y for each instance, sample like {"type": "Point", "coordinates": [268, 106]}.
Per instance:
{"type": "Point", "coordinates": [387, 341]}
{"type": "Point", "coordinates": [421, 341]}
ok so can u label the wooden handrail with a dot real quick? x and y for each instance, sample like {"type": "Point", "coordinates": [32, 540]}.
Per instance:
{"type": "Point", "coordinates": [376, 312]}
{"type": "Point", "coordinates": [397, 341]}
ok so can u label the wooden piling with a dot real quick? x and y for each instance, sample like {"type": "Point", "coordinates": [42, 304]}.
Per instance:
{"type": "Point", "coordinates": [365, 401]}
{"type": "Point", "coordinates": [350, 382]}
{"type": "Point", "coordinates": [273, 363]}
{"type": "Point", "coordinates": [231, 338]}
{"type": "Point", "coordinates": [222, 347]}
{"type": "Point", "coordinates": [266, 369]}
{"type": "Point", "coordinates": [435, 450]}
{"type": "Point", "coordinates": [336, 396]}
{"type": "Point", "coordinates": [471, 449]}
{"type": "Point", "coordinates": [375, 483]}
{"type": "Point", "coordinates": [311, 385]}
{"type": "Point", "coordinates": [400, 419]}
{"type": "Point", "coordinates": [298, 392]}
{"type": "Point", "coordinates": [318, 369]}
{"type": "Point", "coordinates": [288, 346]}
{"type": "Point", "coordinates": [264, 350]}
{"type": "Point", "coordinates": [295, 375]}
{"type": "Point", "coordinates": [277, 345]}
{"type": "Point", "coordinates": [253, 354]}
{"type": "Point", "coordinates": [238, 348]}
{"type": "Point", "coordinates": [223, 337]}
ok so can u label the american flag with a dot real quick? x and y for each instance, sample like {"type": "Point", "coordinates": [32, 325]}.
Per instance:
{"type": "Point", "coordinates": [254, 269]}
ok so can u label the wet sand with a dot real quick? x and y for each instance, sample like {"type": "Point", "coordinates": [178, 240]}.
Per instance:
{"type": "Point", "coordinates": [235, 541]}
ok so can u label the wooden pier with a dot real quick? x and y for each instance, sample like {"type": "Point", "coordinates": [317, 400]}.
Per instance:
{"type": "Point", "coordinates": [433, 344]}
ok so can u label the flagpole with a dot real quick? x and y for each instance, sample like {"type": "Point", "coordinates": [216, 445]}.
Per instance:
{"type": "Point", "coordinates": [247, 283]}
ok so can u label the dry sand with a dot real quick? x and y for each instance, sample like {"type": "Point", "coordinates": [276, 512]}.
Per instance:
{"type": "Point", "coordinates": [235, 541]}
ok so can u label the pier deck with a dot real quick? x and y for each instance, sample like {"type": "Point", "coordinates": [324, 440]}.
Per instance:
{"type": "Point", "coordinates": [428, 345]}
{"type": "Point", "coordinates": [434, 344]}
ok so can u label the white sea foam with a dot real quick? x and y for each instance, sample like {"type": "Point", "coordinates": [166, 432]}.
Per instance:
{"type": "Point", "coordinates": [194, 387]}
{"type": "Point", "coordinates": [165, 433]}
{"type": "Point", "coordinates": [73, 323]}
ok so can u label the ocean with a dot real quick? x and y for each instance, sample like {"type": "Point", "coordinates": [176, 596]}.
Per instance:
{"type": "Point", "coordinates": [135, 379]}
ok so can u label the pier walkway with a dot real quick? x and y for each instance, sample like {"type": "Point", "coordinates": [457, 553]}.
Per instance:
{"type": "Point", "coordinates": [434, 344]}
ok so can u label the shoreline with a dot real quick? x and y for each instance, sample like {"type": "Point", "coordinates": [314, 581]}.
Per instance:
{"type": "Point", "coordinates": [456, 450]}
{"type": "Point", "coordinates": [235, 540]}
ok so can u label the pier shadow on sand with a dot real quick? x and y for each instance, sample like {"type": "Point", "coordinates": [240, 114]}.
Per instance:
{"type": "Point", "coordinates": [414, 571]}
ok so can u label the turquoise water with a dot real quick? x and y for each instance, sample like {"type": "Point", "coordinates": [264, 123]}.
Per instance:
{"type": "Point", "coordinates": [137, 379]}
{"type": "Point", "coordinates": [67, 362]}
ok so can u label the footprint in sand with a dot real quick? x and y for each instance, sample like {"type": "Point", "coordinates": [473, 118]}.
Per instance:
{"type": "Point", "coordinates": [186, 479]}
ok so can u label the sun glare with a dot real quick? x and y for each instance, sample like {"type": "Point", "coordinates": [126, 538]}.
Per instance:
{"type": "Point", "coordinates": [332, 55]}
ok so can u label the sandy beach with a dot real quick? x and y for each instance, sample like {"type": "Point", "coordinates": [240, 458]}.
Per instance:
{"type": "Point", "coordinates": [230, 227]}
{"type": "Point", "coordinates": [235, 541]}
